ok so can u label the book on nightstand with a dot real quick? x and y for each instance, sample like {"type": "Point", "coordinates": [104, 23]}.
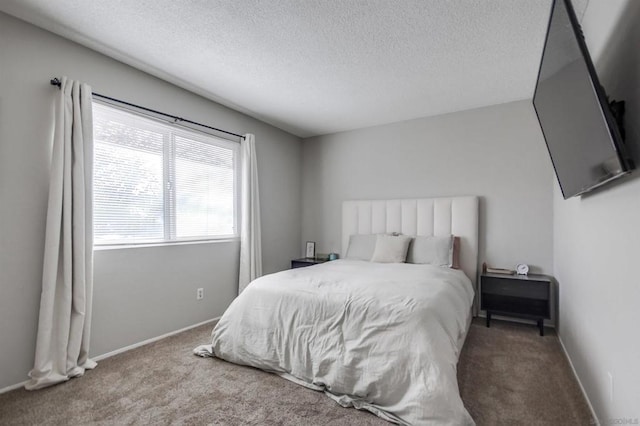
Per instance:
{"type": "Point", "coordinates": [500, 271]}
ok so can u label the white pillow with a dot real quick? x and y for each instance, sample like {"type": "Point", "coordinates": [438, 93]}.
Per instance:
{"type": "Point", "coordinates": [431, 250]}
{"type": "Point", "coordinates": [361, 247]}
{"type": "Point", "coordinates": [391, 248]}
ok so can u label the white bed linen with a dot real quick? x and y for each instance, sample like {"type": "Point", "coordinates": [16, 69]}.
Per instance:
{"type": "Point", "coordinates": [380, 337]}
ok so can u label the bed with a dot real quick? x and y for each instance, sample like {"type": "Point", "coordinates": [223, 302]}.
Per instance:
{"type": "Point", "coordinates": [382, 337]}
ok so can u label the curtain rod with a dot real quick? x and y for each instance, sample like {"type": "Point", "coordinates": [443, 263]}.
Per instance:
{"type": "Point", "coordinates": [57, 82]}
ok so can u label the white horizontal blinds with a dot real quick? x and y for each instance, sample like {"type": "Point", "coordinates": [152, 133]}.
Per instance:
{"type": "Point", "coordinates": [155, 182]}
{"type": "Point", "coordinates": [204, 188]}
{"type": "Point", "coordinates": [128, 177]}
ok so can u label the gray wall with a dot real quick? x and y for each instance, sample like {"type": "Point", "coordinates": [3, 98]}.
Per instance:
{"type": "Point", "coordinates": [494, 152]}
{"type": "Point", "coordinates": [140, 293]}
{"type": "Point", "coordinates": [596, 249]}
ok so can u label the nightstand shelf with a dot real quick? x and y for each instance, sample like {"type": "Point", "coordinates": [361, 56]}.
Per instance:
{"type": "Point", "coordinates": [525, 296]}
{"type": "Point", "coordinates": [305, 261]}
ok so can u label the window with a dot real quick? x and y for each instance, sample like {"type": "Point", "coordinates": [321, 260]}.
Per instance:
{"type": "Point", "coordinates": [156, 182]}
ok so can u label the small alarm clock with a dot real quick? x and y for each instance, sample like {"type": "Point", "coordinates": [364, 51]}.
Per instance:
{"type": "Point", "coordinates": [522, 269]}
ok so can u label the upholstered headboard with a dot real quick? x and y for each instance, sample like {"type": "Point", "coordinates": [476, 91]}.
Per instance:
{"type": "Point", "coordinates": [421, 216]}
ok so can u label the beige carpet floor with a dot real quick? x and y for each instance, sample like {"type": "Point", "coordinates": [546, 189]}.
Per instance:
{"type": "Point", "coordinates": [508, 375]}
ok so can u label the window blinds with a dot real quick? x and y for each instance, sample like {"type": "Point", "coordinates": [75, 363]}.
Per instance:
{"type": "Point", "coordinates": [155, 182]}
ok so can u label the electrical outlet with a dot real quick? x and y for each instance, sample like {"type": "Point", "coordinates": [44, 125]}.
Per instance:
{"type": "Point", "coordinates": [610, 386]}
{"type": "Point", "coordinates": [200, 294]}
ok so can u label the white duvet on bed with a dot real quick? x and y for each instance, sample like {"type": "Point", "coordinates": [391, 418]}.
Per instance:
{"type": "Point", "coordinates": [380, 337]}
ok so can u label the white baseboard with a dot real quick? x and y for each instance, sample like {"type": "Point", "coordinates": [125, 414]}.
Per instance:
{"type": "Point", "coordinates": [125, 349]}
{"type": "Point", "coordinates": [153, 339]}
{"type": "Point", "coordinates": [575, 374]}
{"type": "Point", "coordinates": [13, 387]}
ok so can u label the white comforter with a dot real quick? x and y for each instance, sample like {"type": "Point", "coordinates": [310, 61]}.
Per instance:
{"type": "Point", "coordinates": [379, 337]}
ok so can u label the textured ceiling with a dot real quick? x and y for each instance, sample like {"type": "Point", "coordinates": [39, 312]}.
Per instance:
{"type": "Point", "coordinates": [318, 67]}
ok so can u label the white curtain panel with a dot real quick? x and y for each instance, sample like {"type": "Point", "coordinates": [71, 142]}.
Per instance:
{"type": "Point", "coordinates": [62, 346]}
{"type": "Point", "coordinates": [250, 233]}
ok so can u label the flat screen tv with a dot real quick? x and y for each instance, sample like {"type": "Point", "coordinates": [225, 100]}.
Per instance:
{"type": "Point", "coordinates": [582, 135]}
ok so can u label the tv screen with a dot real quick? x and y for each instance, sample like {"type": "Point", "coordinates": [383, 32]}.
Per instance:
{"type": "Point", "coordinates": [582, 136]}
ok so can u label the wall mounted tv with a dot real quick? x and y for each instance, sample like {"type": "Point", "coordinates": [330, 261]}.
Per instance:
{"type": "Point", "coordinates": [581, 132]}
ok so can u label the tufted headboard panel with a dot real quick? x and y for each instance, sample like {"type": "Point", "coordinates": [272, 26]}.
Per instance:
{"type": "Point", "coordinates": [420, 216]}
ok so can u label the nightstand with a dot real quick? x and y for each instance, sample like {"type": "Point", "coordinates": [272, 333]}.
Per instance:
{"type": "Point", "coordinates": [525, 296]}
{"type": "Point", "coordinates": [305, 261]}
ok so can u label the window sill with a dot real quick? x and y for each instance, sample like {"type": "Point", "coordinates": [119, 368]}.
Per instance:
{"type": "Point", "coordinates": [163, 244]}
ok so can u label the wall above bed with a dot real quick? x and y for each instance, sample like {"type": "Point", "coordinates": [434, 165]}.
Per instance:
{"type": "Point", "coordinates": [494, 152]}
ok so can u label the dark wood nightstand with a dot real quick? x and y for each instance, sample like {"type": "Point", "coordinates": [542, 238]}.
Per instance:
{"type": "Point", "coordinates": [305, 261]}
{"type": "Point", "coordinates": [526, 296]}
